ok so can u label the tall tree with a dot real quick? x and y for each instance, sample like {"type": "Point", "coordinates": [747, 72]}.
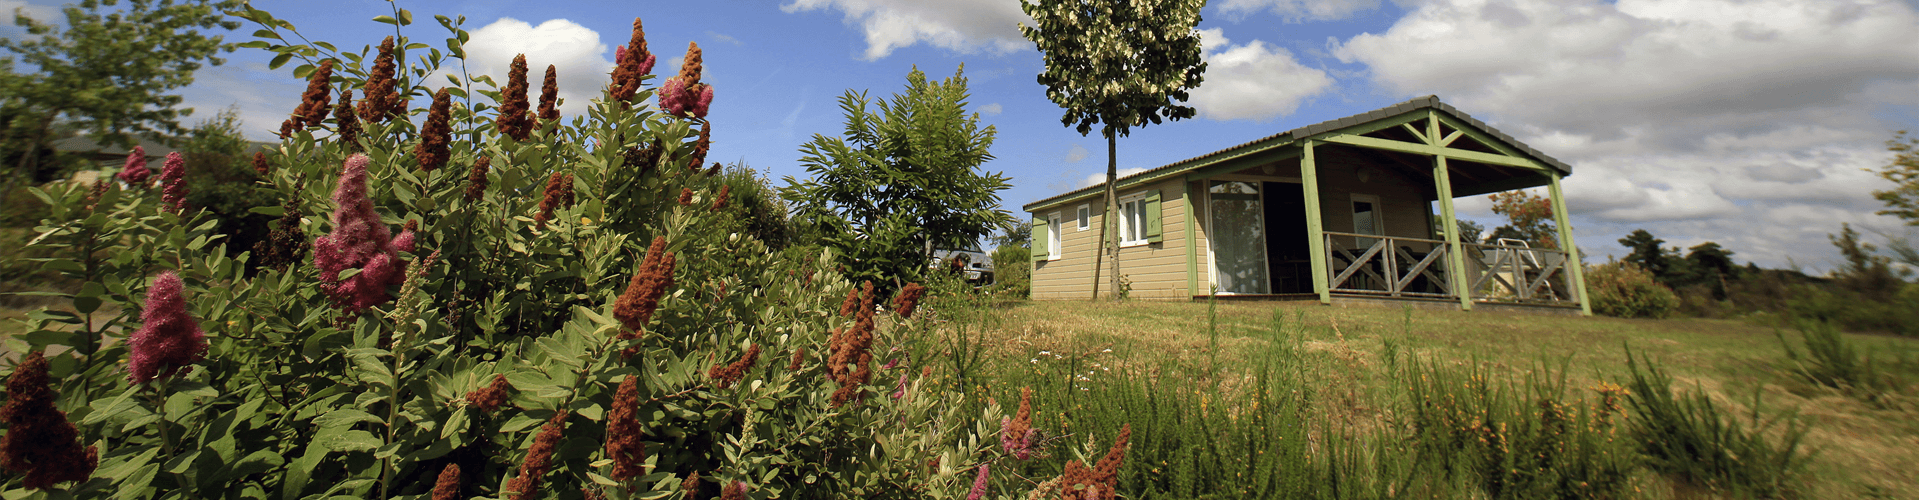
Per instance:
{"type": "Point", "coordinates": [109, 72]}
{"type": "Point", "coordinates": [1118, 64]}
{"type": "Point", "coordinates": [1646, 252]}
{"type": "Point", "coordinates": [1713, 265]}
{"type": "Point", "coordinates": [904, 178]}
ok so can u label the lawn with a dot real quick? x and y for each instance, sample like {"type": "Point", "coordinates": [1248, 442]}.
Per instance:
{"type": "Point", "coordinates": [1859, 449]}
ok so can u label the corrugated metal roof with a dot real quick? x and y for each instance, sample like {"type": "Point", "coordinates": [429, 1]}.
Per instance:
{"type": "Point", "coordinates": [1287, 137]}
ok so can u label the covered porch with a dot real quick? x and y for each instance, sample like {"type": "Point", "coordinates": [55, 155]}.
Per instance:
{"type": "Point", "coordinates": [1361, 209]}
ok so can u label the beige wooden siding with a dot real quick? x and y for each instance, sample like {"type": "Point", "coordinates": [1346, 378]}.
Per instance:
{"type": "Point", "coordinates": [1156, 270]}
{"type": "Point", "coordinates": [1403, 199]}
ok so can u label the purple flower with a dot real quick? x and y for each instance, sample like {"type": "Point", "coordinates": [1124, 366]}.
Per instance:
{"type": "Point", "coordinates": [173, 179]}
{"type": "Point", "coordinates": [979, 485]}
{"type": "Point", "coordinates": [168, 339]}
{"type": "Point", "coordinates": [891, 364]}
{"type": "Point", "coordinates": [899, 391]}
{"type": "Point", "coordinates": [135, 172]}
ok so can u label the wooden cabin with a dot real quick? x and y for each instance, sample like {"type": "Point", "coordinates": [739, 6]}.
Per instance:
{"type": "Point", "coordinates": [1358, 209]}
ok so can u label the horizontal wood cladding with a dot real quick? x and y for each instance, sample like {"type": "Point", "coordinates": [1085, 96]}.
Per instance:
{"type": "Point", "coordinates": [1156, 270]}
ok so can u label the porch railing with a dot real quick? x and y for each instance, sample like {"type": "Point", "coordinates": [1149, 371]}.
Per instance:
{"type": "Point", "coordinates": [1513, 271]}
{"type": "Point", "coordinates": [1391, 266]}
{"type": "Point", "coordinates": [1387, 266]}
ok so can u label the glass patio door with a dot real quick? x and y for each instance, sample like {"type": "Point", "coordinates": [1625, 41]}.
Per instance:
{"type": "Point", "coordinates": [1237, 237]}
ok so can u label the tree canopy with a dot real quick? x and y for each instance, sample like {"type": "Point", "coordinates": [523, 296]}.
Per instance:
{"type": "Point", "coordinates": [109, 72]}
{"type": "Point", "coordinates": [1902, 200]}
{"type": "Point", "coordinates": [1118, 64]}
{"type": "Point", "coordinates": [904, 176]}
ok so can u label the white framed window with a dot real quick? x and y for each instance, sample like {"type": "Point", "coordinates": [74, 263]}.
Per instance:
{"type": "Point", "coordinates": [1052, 236]}
{"type": "Point", "coordinates": [1368, 217]}
{"type": "Point", "coordinates": [1132, 220]}
{"type": "Point", "coordinates": [1085, 217]}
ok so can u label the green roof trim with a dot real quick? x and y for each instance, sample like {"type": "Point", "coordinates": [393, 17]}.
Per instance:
{"type": "Point", "coordinates": [1450, 115]}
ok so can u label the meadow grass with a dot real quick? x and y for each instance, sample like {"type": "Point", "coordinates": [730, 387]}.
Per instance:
{"type": "Point", "coordinates": [1350, 372]}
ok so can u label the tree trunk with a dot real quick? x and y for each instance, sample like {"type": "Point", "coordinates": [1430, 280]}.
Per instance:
{"type": "Point", "coordinates": [1112, 211]}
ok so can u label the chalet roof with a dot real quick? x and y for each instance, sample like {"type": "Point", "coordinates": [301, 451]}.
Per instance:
{"type": "Point", "coordinates": [1290, 136]}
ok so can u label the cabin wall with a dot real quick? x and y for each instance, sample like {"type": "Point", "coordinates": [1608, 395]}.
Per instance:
{"type": "Point", "coordinates": [1157, 270]}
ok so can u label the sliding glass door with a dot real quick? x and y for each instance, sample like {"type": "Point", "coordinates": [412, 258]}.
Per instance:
{"type": "Point", "coordinates": [1237, 237]}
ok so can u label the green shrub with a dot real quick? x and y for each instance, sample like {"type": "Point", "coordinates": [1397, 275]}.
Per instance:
{"type": "Point", "coordinates": [1013, 271]}
{"type": "Point", "coordinates": [1624, 290]}
{"type": "Point", "coordinates": [1691, 439]}
{"type": "Point", "coordinates": [583, 291]}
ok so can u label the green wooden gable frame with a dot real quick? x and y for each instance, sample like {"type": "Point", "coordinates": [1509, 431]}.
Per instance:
{"type": "Point", "coordinates": [1423, 126]}
{"type": "Point", "coordinates": [1410, 116]}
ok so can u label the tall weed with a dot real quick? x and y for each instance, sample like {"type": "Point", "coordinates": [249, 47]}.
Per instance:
{"type": "Point", "coordinates": [1695, 441]}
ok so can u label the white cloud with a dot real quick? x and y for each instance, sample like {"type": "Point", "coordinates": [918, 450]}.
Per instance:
{"type": "Point", "coordinates": [965, 26]}
{"type": "Point", "coordinates": [262, 98]}
{"type": "Point", "coordinates": [724, 38]}
{"type": "Point", "coordinates": [1100, 178]}
{"type": "Point", "coordinates": [1078, 153]}
{"type": "Point", "coordinates": [1254, 81]}
{"type": "Point", "coordinates": [582, 60]}
{"type": "Point", "coordinates": [1742, 122]}
{"type": "Point", "coordinates": [1298, 10]}
{"type": "Point", "coordinates": [993, 109]}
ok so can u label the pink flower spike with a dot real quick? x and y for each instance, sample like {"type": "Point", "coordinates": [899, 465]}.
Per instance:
{"type": "Point", "coordinates": [135, 171]}
{"type": "Point", "coordinates": [619, 54]}
{"type": "Point", "coordinates": [899, 391]}
{"type": "Point", "coordinates": [169, 340]}
{"type": "Point", "coordinates": [358, 241]}
{"type": "Point", "coordinates": [979, 485]}
{"type": "Point", "coordinates": [173, 180]}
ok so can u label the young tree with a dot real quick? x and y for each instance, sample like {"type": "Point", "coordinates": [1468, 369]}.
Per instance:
{"type": "Point", "coordinates": [109, 72]}
{"type": "Point", "coordinates": [1530, 218]}
{"type": "Point", "coordinates": [905, 178]}
{"type": "Point", "coordinates": [1864, 271]}
{"type": "Point", "coordinates": [1713, 265]}
{"type": "Point", "coordinates": [1119, 64]}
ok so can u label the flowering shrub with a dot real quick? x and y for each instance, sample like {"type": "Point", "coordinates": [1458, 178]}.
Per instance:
{"type": "Point", "coordinates": [452, 335]}
{"type": "Point", "coordinates": [1624, 290]}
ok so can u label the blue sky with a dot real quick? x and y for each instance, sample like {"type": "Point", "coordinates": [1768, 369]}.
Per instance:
{"type": "Point", "coordinates": [1746, 122]}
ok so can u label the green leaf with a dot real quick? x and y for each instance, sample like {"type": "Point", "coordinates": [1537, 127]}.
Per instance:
{"type": "Point", "coordinates": [279, 60]}
{"type": "Point", "coordinates": [406, 17]}
{"type": "Point", "coordinates": [104, 410]}
{"type": "Point", "coordinates": [135, 485]}
{"type": "Point", "coordinates": [266, 33]}
{"type": "Point", "coordinates": [346, 416]}
{"type": "Point", "coordinates": [256, 44]}
{"type": "Point", "coordinates": [127, 468]}
{"type": "Point", "coordinates": [353, 441]}
{"type": "Point", "coordinates": [270, 211]}
{"type": "Point", "coordinates": [386, 19]}
{"type": "Point", "coordinates": [303, 71]}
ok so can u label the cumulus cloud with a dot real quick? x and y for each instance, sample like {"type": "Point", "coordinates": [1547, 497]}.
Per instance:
{"type": "Point", "coordinates": [966, 26]}
{"type": "Point", "coordinates": [993, 109]}
{"type": "Point", "coordinates": [262, 98]}
{"type": "Point", "coordinates": [1299, 10]}
{"type": "Point", "coordinates": [1100, 178]}
{"type": "Point", "coordinates": [578, 54]}
{"type": "Point", "coordinates": [1254, 81]}
{"type": "Point", "coordinates": [1742, 122]}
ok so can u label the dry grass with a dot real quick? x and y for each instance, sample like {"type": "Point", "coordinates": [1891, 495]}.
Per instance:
{"type": "Point", "coordinates": [1861, 450]}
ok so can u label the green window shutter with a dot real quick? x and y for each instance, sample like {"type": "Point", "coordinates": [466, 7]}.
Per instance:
{"type": "Point", "coordinates": [1039, 238]}
{"type": "Point", "coordinates": [1153, 232]}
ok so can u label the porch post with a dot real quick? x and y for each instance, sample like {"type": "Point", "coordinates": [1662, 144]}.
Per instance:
{"type": "Point", "coordinates": [1573, 267]}
{"type": "Point", "coordinates": [1315, 234]}
{"type": "Point", "coordinates": [1456, 258]}
{"type": "Point", "coordinates": [1192, 259]}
